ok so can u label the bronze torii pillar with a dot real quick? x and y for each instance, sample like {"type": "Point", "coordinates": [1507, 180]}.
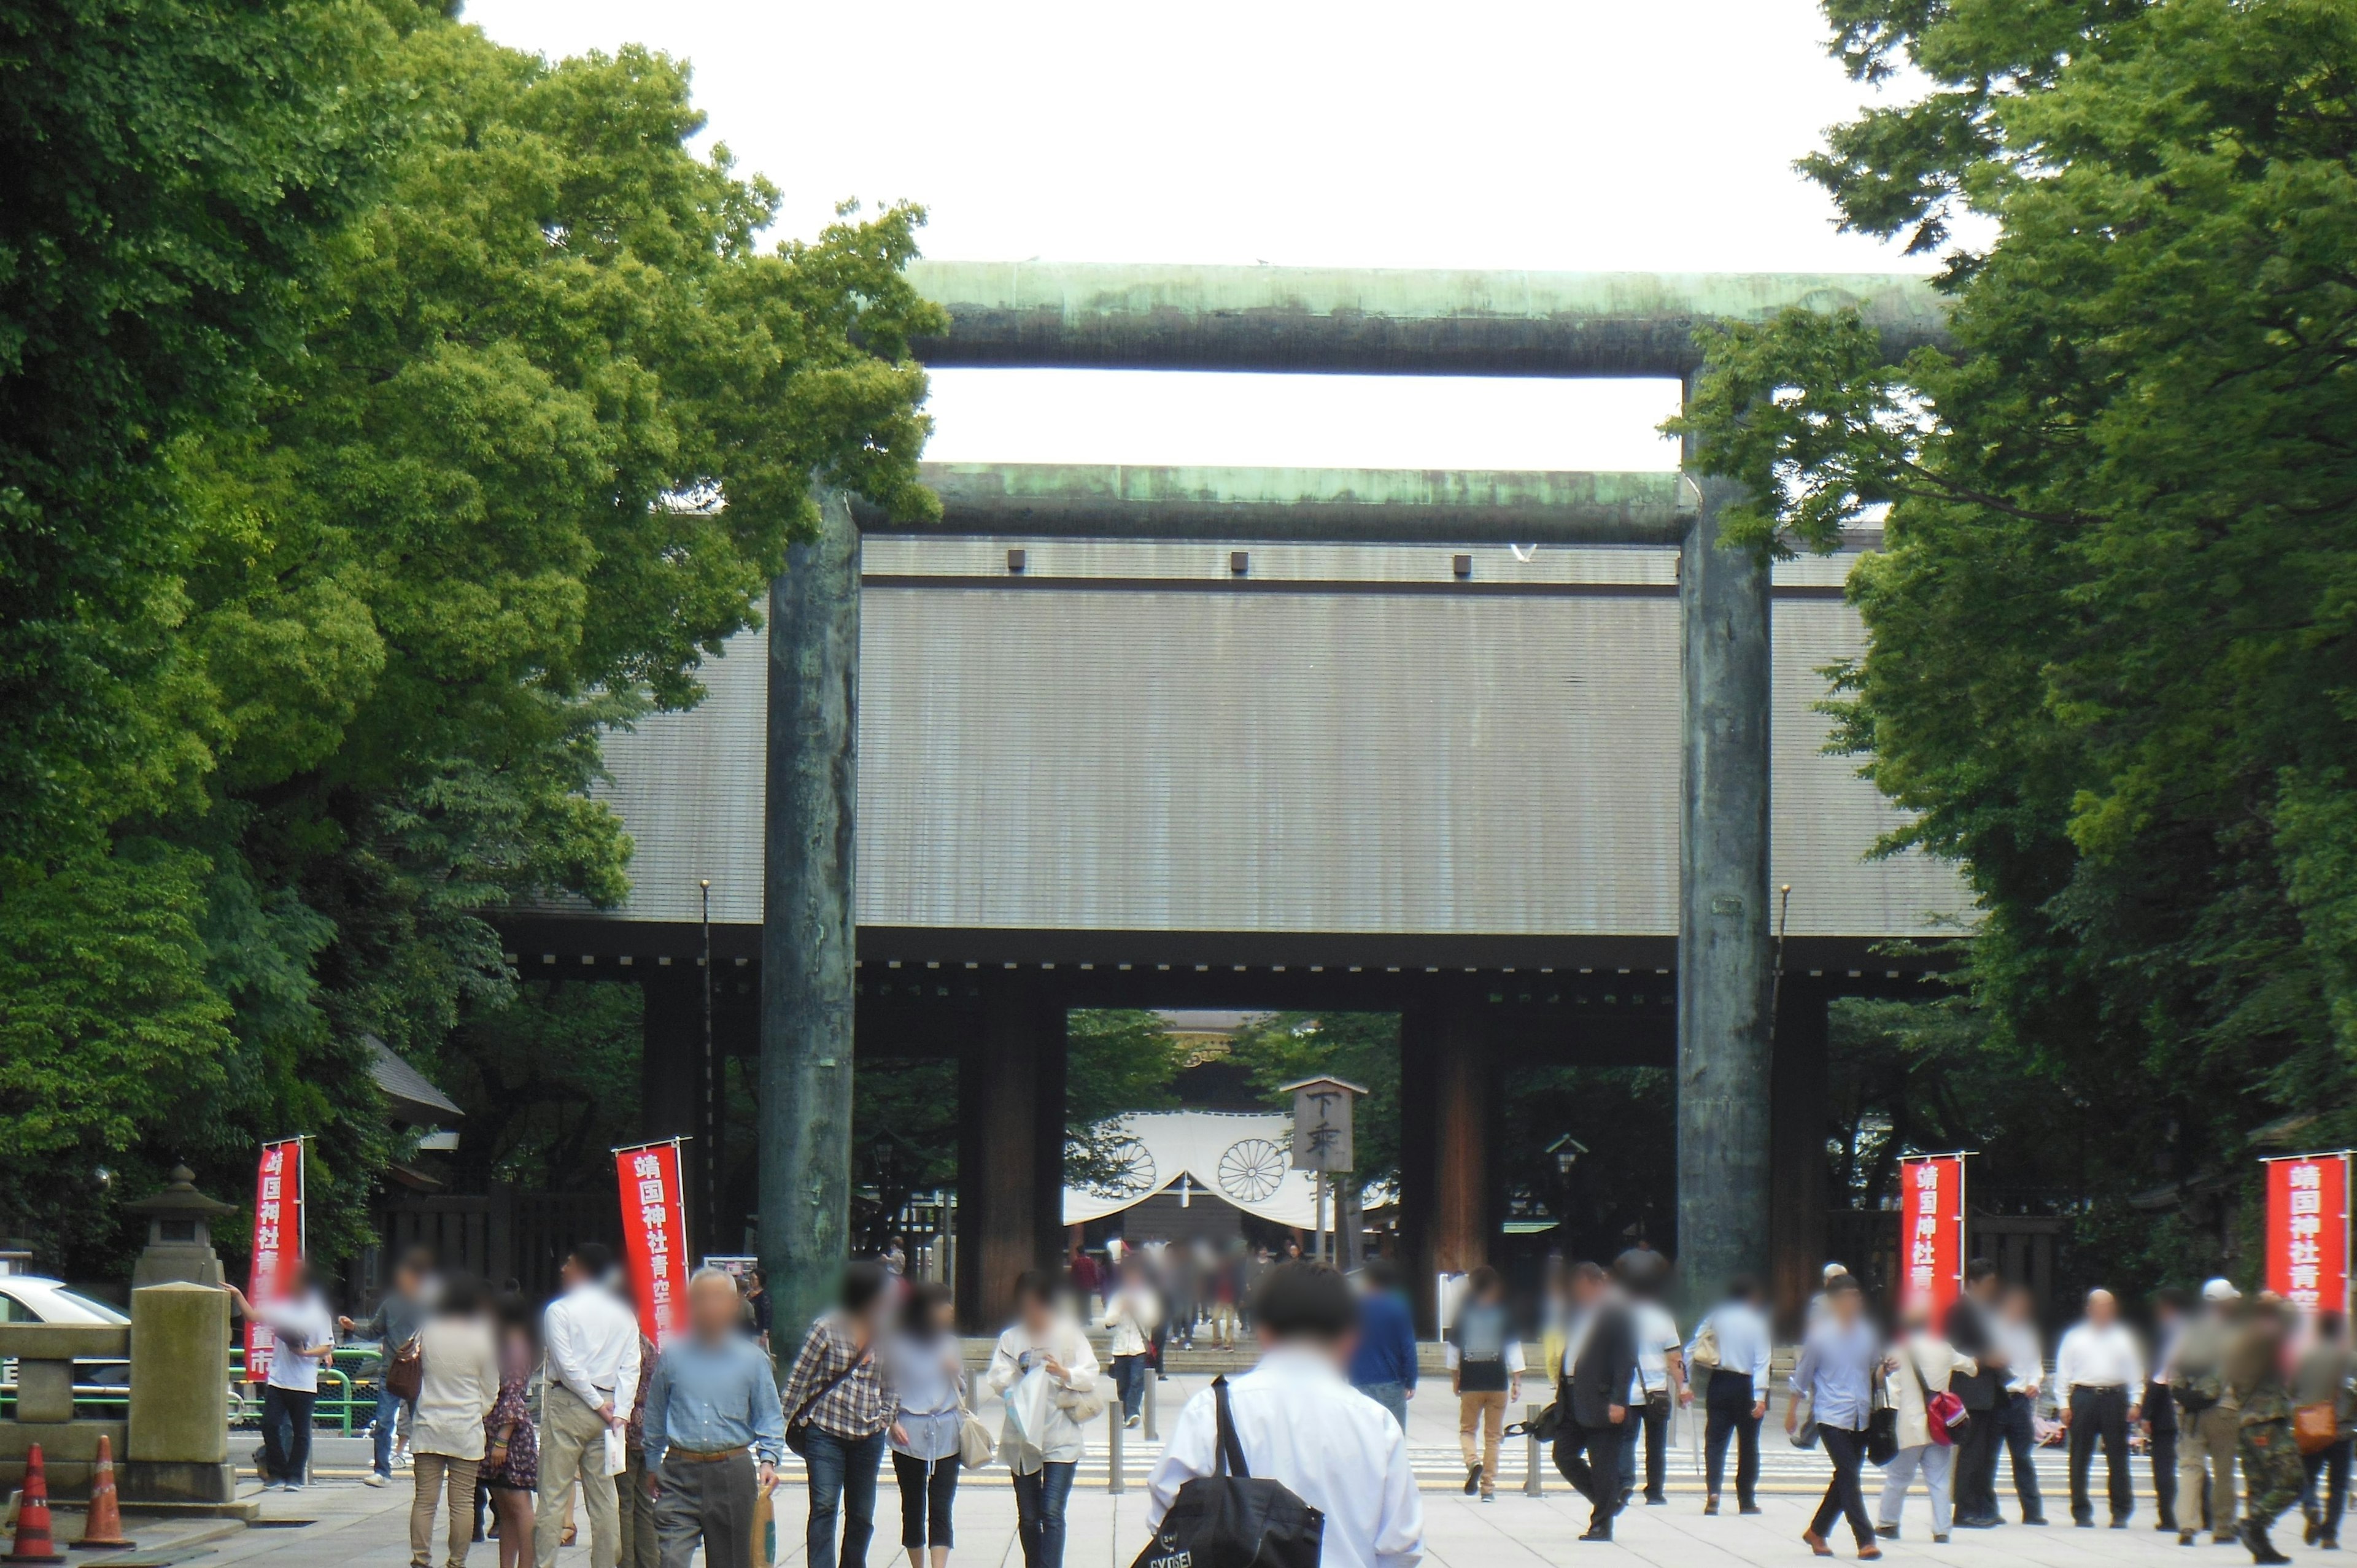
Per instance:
{"type": "Point", "coordinates": [1273, 319]}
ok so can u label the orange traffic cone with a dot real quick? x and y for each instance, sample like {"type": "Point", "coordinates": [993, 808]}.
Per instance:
{"type": "Point", "coordinates": [32, 1542]}
{"type": "Point", "coordinates": [103, 1528]}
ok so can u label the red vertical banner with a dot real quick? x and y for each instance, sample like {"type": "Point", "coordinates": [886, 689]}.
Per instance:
{"type": "Point", "coordinates": [277, 1243]}
{"type": "Point", "coordinates": [2307, 1230]}
{"type": "Point", "coordinates": [654, 1236]}
{"type": "Point", "coordinates": [1931, 1230]}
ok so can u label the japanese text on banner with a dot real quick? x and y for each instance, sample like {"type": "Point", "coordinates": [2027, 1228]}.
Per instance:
{"type": "Point", "coordinates": [2307, 1231]}
{"type": "Point", "coordinates": [278, 1243]}
{"type": "Point", "coordinates": [1930, 1231]}
{"type": "Point", "coordinates": [654, 1236]}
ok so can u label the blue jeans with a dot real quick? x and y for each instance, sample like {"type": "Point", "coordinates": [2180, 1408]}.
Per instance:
{"type": "Point", "coordinates": [1392, 1397]}
{"type": "Point", "coordinates": [388, 1419]}
{"type": "Point", "coordinates": [1039, 1513]}
{"type": "Point", "coordinates": [1129, 1375]}
{"type": "Point", "coordinates": [842, 1480]}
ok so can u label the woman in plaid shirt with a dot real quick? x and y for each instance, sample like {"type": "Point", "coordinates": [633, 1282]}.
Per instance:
{"type": "Point", "coordinates": [841, 1388]}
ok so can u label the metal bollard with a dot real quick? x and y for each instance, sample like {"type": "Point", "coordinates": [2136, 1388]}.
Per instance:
{"type": "Point", "coordinates": [1153, 1377]}
{"type": "Point", "coordinates": [1531, 1483]}
{"type": "Point", "coordinates": [1115, 1481]}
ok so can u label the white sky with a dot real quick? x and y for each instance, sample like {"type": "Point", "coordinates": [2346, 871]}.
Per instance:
{"type": "Point", "coordinates": [1571, 134]}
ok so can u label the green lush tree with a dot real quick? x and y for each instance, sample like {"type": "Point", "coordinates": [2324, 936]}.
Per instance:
{"type": "Point", "coordinates": [1117, 1059]}
{"type": "Point", "coordinates": [549, 1081]}
{"type": "Point", "coordinates": [2111, 657]}
{"type": "Point", "coordinates": [540, 433]}
{"type": "Point", "coordinates": [1363, 1048]}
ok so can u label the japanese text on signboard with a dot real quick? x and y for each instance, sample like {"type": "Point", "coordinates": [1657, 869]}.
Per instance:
{"type": "Point", "coordinates": [1931, 1230]}
{"type": "Point", "coordinates": [278, 1243]}
{"type": "Point", "coordinates": [2307, 1231]}
{"type": "Point", "coordinates": [654, 1237]}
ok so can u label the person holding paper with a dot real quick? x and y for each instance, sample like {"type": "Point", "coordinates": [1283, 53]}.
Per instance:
{"type": "Point", "coordinates": [592, 1363]}
{"type": "Point", "coordinates": [1043, 1366]}
{"type": "Point", "coordinates": [714, 1431]}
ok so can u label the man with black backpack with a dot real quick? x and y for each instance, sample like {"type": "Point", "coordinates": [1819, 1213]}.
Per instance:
{"type": "Point", "coordinates": [1289, 1466]}
{"type": "Point", "coordinates": [2209, 1420]}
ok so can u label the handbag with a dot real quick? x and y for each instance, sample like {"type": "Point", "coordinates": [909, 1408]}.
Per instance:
{"type": "Point", "coordinates": [1229, 1519]}
{"type": "Point", "coordinates": [1882, 1428]}
{"type": "Point", "coordinates": [2317, 1426]}
{"type": "Point", "coordinates": [1803, 1432]}
{"type": "Point", "coordinates": [798, 1429]}
{"type": "Point", "coordinates": [1704, 1355]}
{"type": "Point", "coordinates": [976, 1448]}
{"type": "Point", "coordinates": [405, 1369]}
{"type": "Point", "coordinates": [1945, 1420]}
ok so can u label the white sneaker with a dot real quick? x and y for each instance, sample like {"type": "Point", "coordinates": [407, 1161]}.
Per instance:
{"type": "Point", "coordinates": [373, 1479]}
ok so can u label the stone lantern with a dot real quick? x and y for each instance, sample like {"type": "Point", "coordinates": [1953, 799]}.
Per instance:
{"type": "Point", "coordinates": [179, 1234]}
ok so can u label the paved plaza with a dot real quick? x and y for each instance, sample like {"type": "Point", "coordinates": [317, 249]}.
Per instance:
{"type": "Point", "coordinates": [354, 1526]}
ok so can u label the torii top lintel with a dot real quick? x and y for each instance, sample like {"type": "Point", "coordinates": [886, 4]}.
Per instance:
{"type": "Point", "coordinates": [1380, 321]}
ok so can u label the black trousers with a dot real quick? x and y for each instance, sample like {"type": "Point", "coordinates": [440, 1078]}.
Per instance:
{"type": "Point", "coordinates": [1843, 1496]}
{"type": "Point", "coordinates": [2016, 1426]}
{"type": "Point", "coordinates": [1727, 1408]}
{"type": "Point", "coordinates": [927, 1492]}
{"type": "Point", "coordinates": [2100, 1413]}
{"type": "Point", "coordinates": [2334, 1464]}
{"type": "Point", "coordinates": [2160, 1413]}
{"type": "Point", "coordinates": [286, 1432]}
{"type": "Point", "coordinates": [1975, 1482]}
{"type": "Point", "coordinates": [1653, 1417]}
{"type": "Point", "coordinates": [1589, 1458]}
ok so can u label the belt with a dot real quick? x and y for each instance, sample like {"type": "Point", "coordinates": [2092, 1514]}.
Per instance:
{"type": "Point", "coordinates": [712, 1456]}
{"type": "Point", "coordinates": [2100, 1388]}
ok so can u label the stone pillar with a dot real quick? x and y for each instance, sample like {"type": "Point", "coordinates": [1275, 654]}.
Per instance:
{"type": "Point", "coordinates": [176, 1449]}
{"type": "Point", "coordinates": [1725, 952]}
{"type": "Point", "coordinates": [1010, 1150]}
{"type": "Point", "coordinates": [1799, 1088]}
{"type": "Point", "coordinates": [808, 949]}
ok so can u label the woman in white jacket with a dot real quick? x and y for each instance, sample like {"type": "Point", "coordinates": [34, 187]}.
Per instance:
{"type": "Point", "coordinates": [1042, 1437]}
{"type": "Point", "coordinates": [459, 1359]}
{"type": "Point", "coordinates": [1131, 1317]}
{"type": "Point", "coordinates": [1920, 1361]}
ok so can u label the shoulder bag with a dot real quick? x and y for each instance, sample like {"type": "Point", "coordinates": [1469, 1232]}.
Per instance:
{"type": "Point", "coordinates": [1230, 1520]}
{"type": "Point", "coordinates": [1881, 1426]}
{"type": "Point", "coordinates": [798, 1429]}
{"type": "Point", "coordinates": [2316, 1426]}
{"type": "Point", "coordinates": [405, 1369]}
{"type": "Point", "coordinates": [1945, 1420]}
{"type": "Point", "coordinates": [1704, 1357]}
{"type": "Point", "coordinates": [976, 1448]}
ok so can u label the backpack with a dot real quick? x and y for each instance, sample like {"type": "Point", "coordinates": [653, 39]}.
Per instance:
{"type": "Point", "coordinates": [1228, 1520]}
{"type": "Point", "coordinates": [2197, 1382]}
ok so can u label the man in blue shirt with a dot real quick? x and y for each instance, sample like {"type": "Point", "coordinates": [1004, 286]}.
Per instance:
{"type": "Point", "coordinates": [1384, 1366]}
{"type": "Point", "coordinates": [714, 1431]}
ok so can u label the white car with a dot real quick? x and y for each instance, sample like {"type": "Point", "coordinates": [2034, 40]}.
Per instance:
{"type": "Point", "coordinates": [29, 1298]}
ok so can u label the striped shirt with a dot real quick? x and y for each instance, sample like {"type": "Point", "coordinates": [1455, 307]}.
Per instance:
{"type": "Point", "coordinates": [858, 1406]}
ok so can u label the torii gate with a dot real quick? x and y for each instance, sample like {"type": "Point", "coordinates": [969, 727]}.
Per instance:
{"type": "Point", "coordinates": [1273, 319]}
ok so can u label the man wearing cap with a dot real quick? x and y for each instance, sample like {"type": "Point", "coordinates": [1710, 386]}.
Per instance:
{"type": "Point", "coordinates": [2209, 1420]}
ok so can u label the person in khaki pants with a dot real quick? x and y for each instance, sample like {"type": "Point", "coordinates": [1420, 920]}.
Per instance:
{"type": "Point", "coordinates": [1485, 1370]}
{"type": "Point", "coordinates": [2208, 1419]}
{"type": "Point", "coordinates": [592, 1340]}
{"type": "Point", "coordinates": [460, 1384]}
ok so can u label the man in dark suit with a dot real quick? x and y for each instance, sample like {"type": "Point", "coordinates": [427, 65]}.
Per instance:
{"type": "Point", "coordinates": [1600, 1362]}
{"type": "Point", "coordinates": [1971, 1327]}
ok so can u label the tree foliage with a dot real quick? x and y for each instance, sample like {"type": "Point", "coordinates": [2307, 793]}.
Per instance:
{"type": "Point", "coordinates": [525, 418]}
{"type": "Point", "coordinates": [1117, 1059]}
{"type": "Point", "coordinates": [2112, 668]}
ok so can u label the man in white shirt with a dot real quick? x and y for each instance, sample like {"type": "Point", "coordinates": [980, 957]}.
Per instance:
{"type": "Point", "coordinates": [2025, 1379]}
{"type": "Point", "coordinates": [1300, 1423]}
{"type": "Point", "coordinates": [1660, 1379]}
{"type": "Point", "coordinates": [592, 1341]}
{"type": "Point", "coordinates": [304, 1336]}
{"type": "Point", "coordinates": [2098, 1389]}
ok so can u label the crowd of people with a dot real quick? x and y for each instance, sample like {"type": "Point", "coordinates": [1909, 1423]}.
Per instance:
{"type": "Point", "coordinates": [668, 1451]}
